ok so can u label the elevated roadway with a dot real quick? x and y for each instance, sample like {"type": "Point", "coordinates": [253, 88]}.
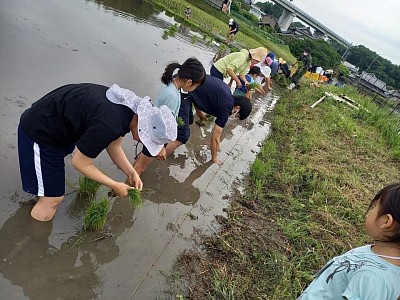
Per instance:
{"type": "Point", "coordinates": [287, 17]}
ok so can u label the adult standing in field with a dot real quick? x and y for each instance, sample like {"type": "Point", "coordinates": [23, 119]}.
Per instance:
{"type": "Point", "coordinates": [237, 63]}
{"type": "Point", "coordinates": [188, 12]}
{"type": "Point", "coordinates": [226, 6]}
{"type": "Point", "coordinates": [190, 75]}
{"type": "Point", "coordinates": [233, 29]}
{"type": "Point", "coordinates": [91, 118]}
{"type": "Point", "coordinates": [304, 63]}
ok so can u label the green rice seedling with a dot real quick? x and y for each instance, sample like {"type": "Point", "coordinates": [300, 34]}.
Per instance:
{"type": "Point", "coordinates": [165, 34]}
{"type": "Point", "coordinates": [96, 215]}
{"type": "Point", "coordinates": [180, 121]}
{"type": "Point", "coordinates": [135, 200]}
{"type": "Point", "coordinates": [253, 85]}
{"type": "Point", "coordinates": [87, 187]}
{"type": "Point", "coordinates": [210, 118]}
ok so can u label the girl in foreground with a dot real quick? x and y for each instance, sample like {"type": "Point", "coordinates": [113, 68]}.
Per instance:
{"type": "Point", "coordinates": [369, 272]}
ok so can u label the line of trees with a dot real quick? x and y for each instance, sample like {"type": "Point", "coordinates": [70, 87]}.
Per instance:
{"type": "Point", "coordinates": [360, 56]}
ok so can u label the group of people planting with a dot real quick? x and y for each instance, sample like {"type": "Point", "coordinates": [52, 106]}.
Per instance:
{"type": "Point", "coordinates": [85, 119]}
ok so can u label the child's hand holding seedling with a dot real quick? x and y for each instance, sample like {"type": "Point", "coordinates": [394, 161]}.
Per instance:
{"type": "Point", "coordinates": [135, 199]}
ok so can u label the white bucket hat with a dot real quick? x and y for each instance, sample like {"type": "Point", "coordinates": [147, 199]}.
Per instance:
{"type": "Point", "coordinates": [156, 126]}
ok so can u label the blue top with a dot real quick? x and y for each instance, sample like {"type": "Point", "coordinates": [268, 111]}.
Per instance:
{"type": "Point", "coordinates": [169, 96]}
{"type": "Point", "coordinates": [243, 89]}
{"type": "Point", "coordinates": [357, 274]}
{"type": "Point", "coordinates": [214, 97]}
{"type": "Point", "coordinates": [274, 67]}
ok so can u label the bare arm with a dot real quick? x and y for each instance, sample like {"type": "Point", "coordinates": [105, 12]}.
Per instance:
{"type": "Point", "coordinates": [214, 143]}
{"type": "Point", "coordinates": [200, 114]}
{"type": "Point", "coordinates": [85, 166]}
{"type": "Point", "coordinates": [119, 158]}
{"type": "Point", "coordinates": [234, 77]}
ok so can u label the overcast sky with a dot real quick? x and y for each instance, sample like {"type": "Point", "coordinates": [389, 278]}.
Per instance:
{"type": "Point", "coordinates": [372, 23]}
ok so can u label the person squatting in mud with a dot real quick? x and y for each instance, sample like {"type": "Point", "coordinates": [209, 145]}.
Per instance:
{"type": "Point", "coordinates": [87, 118]}
{"type": "Point", "coordinates": [214, 97]}
{"type": "Point", "coordinates": [190, 75]}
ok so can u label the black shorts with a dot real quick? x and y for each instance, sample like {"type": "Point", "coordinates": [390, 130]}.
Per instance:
{"type": "Point", "coordinates": [42, 169]}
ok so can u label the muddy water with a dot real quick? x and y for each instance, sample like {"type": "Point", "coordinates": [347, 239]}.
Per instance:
{"type": "Point", "coordinates": [45, 44]}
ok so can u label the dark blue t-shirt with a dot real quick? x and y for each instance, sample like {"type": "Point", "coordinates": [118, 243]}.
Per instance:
{"type": "Point", "coordinates": [214, 97]}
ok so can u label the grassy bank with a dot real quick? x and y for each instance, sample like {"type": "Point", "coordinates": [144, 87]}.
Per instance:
{"type": "Point", "coordinates": [307, 194]}
{"type": "Point", "coordinates": [214, 23]}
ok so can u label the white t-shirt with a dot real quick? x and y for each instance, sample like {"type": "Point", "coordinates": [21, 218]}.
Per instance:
{"type": "Point", "coordinates": [265, 70]}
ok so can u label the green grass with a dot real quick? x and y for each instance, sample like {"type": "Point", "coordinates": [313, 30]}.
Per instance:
{"type": "Point", "coordinates": [214, 23]}
{"type": "Point", "coordinates": [96, 215]}
{"type": "Point", "coordinates": [135, 199]}
{"type": "Point", "coordinates": [87, 187]}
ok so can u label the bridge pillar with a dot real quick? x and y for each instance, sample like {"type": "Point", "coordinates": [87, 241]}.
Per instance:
{"type": "Point", "coordinates": [285, 20]}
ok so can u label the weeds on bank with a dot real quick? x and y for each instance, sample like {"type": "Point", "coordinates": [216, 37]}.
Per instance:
{"type": "Point", "coordinates": [305, 203]}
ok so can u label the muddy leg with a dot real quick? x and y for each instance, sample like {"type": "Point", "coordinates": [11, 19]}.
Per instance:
{"type": "Point", "coordinates": [141, 164]}
{"type": "Point", "coordinates": [45, 208]}
{"type": "Point", "coordinates": [172, 146]}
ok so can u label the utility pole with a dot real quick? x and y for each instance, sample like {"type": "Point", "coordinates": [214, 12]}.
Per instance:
{"type": "Point", "coordinates": [346, 53]}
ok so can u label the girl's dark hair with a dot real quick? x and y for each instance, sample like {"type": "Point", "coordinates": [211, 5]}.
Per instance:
{"type": "Point", "coordinates": [388, 200]}
{"type": "Point", "coordinates": [190, 69]}
{"type": "Point", "coordinates": [255, 70]}
{"type": "Point", "coordinates": [245, 106]}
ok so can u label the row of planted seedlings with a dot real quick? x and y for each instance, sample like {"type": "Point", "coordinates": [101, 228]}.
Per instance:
{"type": "Point", "coordinates": [96, 211]}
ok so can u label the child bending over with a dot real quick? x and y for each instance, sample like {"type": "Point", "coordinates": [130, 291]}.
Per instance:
{"type": "Point", "coordinates": [249, 90]}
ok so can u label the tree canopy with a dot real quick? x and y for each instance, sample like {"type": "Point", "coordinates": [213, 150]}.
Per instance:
{"type": "Point", "coordinates": [323, 53]}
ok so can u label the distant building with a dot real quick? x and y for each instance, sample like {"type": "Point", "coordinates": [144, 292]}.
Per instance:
{"type": "Point", "coordinates": [352, 68]}
{"type": "Point", "coordinates": [299, 32]}
{"type": "Point", "coordinates": [255, 10]}
{"type": "Point", "coordinates": [372, 80]}
{"type": "Point", "coordinates": [270, 21]}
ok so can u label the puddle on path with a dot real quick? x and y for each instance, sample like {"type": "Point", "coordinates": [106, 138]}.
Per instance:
{"type": "Point", "coordinates": [54, 43]}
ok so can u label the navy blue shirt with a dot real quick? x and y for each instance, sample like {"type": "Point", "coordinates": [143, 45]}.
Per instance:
{"type": "Point", "coordinates": [76, 114]}
{"type": "Point", "coordinates": [214, 97]}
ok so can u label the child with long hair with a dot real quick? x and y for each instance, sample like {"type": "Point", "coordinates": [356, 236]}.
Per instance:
{"type": "Point", "coordinates": [369, 272]}
{"type": "Point", "coordinates": [190, 75]}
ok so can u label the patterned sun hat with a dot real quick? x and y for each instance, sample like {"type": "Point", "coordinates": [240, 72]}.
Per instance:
{"type": "Point", "coordinates": [156, 126]}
